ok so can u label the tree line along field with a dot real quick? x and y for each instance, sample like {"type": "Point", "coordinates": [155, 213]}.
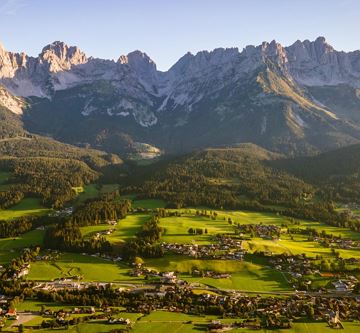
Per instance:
{"type": "Point", "coordinates": [160, 322]}
{"type": "Point", "coordinates": [247, 275]}
{"type": "Point", "coordinates": [26, 207]}
{"type": "Point", "coordinates": [88, 268]}
{"type": "Point", "coordinates": [251, 274]}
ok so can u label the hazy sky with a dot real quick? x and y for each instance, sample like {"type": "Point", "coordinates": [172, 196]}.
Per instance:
{"type": "Point", "coordinates": [167, 29]}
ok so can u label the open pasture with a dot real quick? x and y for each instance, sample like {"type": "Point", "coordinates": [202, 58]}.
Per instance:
{"type": "Point", "coordinates": [9, 247]}
{"type": "Point", "coordinates": [86, 192]}
{"type": "Point", "coordinates": [244, 275]}
{"type": "Point", "coordinates": [163, 322]}
{"type": "Point", "coordinates": [88, 267]}
{"type": "Point", "coordinates": [148, 203]}
{"type": "Point", "coordinates": [176, 231]}
{"type": "Point", "coordinates": [125, 228]}
{"type": "Point", "coordinates": [109, 188]}
{"type": "Point", "coordinates": [26, 207]}
{"type": "Point", "coordinates": [176, 228]}
{"type": "Point", "coordinates": [298, 245]}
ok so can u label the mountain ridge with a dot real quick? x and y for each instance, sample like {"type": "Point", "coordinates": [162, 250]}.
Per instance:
{"type": "Point", "coordinates": [268, 94]}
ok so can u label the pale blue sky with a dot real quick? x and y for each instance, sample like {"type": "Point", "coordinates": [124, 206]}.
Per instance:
{"type": "Point", "coordinates": [167, 29]}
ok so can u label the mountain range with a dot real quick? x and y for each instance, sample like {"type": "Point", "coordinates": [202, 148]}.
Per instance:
{"type": "Point", "coordinates": [296, 100]}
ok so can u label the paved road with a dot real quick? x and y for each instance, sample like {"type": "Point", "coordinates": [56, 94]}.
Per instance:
{"type": "Point", "coordinates": [216, 290]}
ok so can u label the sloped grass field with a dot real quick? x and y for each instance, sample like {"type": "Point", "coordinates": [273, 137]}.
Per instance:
{"type": "Point", "coordinates": [9, 247]}
{"type": "Point", "coordinates": [86, 192]}
{"type": "Point", "coordinates": [176, 231]}
{"type": "Point", "coordinates": [88, 267]}
{"type": "Point", "coordinates": [125, 228]}
{"type": "Point", "coordinates": [148, 204]}
{"type": "Point", "coordinates": [26, 207]}
{"type": "Point", "coordinates": [177, 228]}
{"type": "Point", "coordinates": [244, 275]}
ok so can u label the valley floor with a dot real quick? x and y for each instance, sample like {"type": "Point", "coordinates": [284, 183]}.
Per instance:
{"type": "Point", "coordinates": [252, 274]}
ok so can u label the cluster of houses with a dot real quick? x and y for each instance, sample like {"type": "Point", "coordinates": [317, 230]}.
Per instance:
{"type": "Point", "coordinates": [59, 284]}
{"type": "Point", "coordinates": [352, 209]}
{"type": "Point", "coordinates": [299, 265]}
{"type": "Point", "coordinates": [211, 274]}
{"type": "Point", "coordinates": [265, 231]}
{"type": "Point", "coordinates": [21, 271]}
{"type": "Point", "coordinates": [338, 242]}
{"type": "Point", "coordinates": [63, 317]}
{"type": "Point", "coordinates": [217, 326]}
{"type": "Point", "coordinates": [99, 234]}
{"type": "Point", "coordinates": [225, 249]}
{"type": "Point", "coordinates": [150, 274]}
{"type": "Point", "coordinates": [63, 212]}
{"type": "Point", "coordinates": [345, 285]}
{"type": "Point", "coordinates": [296, 266]}
{"type": "Point", "coordinates": [104, 256]}
{"type": "Point", "coordinates": [329, 309]}
{"type": "Point", "coordinates": [123, 321]}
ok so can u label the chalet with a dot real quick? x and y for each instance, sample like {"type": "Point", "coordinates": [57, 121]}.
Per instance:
{"type": "Point", "coordinates": [168, 277]}
{"type": "Point", "coordinates": [124, 321]}
{"type": "Point", "coordinates": [344, 285]}
{"type": "Point", "coordinates": [12, 314]}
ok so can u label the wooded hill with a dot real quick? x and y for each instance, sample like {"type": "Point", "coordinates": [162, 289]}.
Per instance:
{"type": "Point", "coordinates": [44, 167]}
{"type": "Point", "coordinates": [248, 173]}
{"type": "Point", "coordinates": [336, 173]}
{"type": "Point", "coordinates": [219, 178]}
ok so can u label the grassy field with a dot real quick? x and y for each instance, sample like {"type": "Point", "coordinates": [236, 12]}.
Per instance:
{"type": "Point", "coordinates": [109, 188]}
{"type": "Point", "coordinates": [90, 268]}
{"type": "Point", "coordinates": [244, 275]}
{"type": "Point", "coordinates": [176, 228]}
{"type": "Point", "coordinates": [34, 237]}
{"type": "Point", "coordinates": [94, 326]}
{"type": "Point", "coordinates": [86, 192]}
{"type": "Point", "coordinates": [125, 228]}
{"type": "Point", "coordinates": [9, 247]}
{"type": "Point", "coordinates": [165, 322]}
{"type": "Point", "coordinates": [26, 207]}
{"type": "Point", "coordinates": [148, 204]}
{"type": "Point", "coordinates": [298, 245]}
{"type": "Point", "coordinates": [176, 231]}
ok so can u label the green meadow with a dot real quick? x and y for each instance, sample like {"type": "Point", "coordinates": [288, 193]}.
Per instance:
{"type": "Point", "coordinates": [169, 322]}
{"type": "Point", "coordinates": [86, 192]}
{"type": "Point", "coordinates": [244, 275]}
{"type": "Point", "coordinates": [148, 204]}
{"type": "Point", "coordinates": [26, 207]}
{"type": "Point", "coordinates": [88, 267]}
{"type": "Point", "coordinates": [125, 228]}
{"type": "Point", "coordinates": [9, 247]}
{"type": "Point", "coordinates": [176, 231]}
{"type": "Point", "coordinates": [176, 228]}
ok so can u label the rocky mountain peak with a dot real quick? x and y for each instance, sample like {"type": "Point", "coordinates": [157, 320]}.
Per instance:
{"type": "Point", "coordinates": [61, 57]}
{"type": "Point", "coordinates": [139, 61]}
{"type": "Point", "coordinates": [10, 62]}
